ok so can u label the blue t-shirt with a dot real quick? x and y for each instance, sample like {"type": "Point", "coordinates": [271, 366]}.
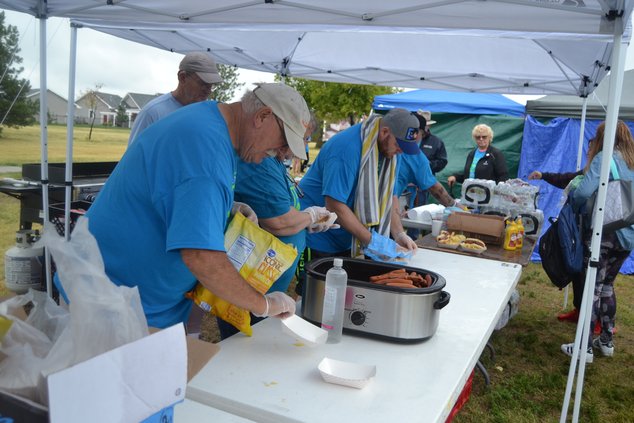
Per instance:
{"type": "Point", "coordinates": [172, 189]}
{"type": "Point", "coordinates": [476, 158]}
{"type": "Point", "coordinates": [156, 109]}
{"type": "Point", "coordinates": [415, 169]}
{"type": "Point", "coordinates": [270, 192]}
{"type": "Point", "coordinates": [334, 173]}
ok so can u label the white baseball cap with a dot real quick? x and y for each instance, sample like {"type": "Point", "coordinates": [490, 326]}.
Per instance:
{"type": "Point", "coordinates": [203, 65]}
{"type": "Point", "coordinates": [427, 116]}
{"type": "Point", "coordinates": [288, 105]}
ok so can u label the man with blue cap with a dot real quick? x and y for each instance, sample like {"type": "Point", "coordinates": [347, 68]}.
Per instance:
{"type": "Point", "coordinates": [354, 176]}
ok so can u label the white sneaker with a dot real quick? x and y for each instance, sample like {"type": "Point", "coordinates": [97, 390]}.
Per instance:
{"type": "Point", "coordinates": [607, 349]}
{"type": "Point", "coordinates": [569, 348]}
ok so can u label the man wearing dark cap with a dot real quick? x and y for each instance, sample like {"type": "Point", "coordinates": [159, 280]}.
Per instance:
{"type": "Point", "coordinates": [431, 145]}
{"type": "Point", "coordinates": [354, 176]}
{"type": "Point", "coordinates": [161, 216]}
{"type": "Point", "coordinates": [434, 149]}
{"type": "Point", "coordinates": [197, 73]}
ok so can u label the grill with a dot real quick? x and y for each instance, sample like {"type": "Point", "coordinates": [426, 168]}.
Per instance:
{"type": "Point", "coordinates": [87, 178]}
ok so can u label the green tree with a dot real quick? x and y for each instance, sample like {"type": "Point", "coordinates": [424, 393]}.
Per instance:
{"type": "Point", "coordinates": [333, 101]}
{"type": "Point", "coordinates": [224, 91]}
{"type": "Point", "coordinates": [15, 109]}
{"type": "Point", "coordinates": [122, 117]}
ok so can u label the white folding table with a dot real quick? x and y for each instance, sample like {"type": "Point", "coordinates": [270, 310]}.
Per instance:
{"type": "Point", "coordinates": [270, 377]}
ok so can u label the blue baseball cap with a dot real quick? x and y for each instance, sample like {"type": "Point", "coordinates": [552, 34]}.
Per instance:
{"type": "Point", "coordinates": [404, 126]}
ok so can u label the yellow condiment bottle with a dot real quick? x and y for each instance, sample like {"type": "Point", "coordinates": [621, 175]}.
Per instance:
{"type": "Point", "coordinates": [510, 235]}
{"type": "Point", "coordinates": [519, 243]}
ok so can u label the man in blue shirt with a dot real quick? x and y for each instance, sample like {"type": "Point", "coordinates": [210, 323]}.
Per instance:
{"type": "Point", "coordinates": [161, 216]}
{"type": "Point", "coordinates": [332, 181]}
{"type": "Point", "coordinates": [197, 73]}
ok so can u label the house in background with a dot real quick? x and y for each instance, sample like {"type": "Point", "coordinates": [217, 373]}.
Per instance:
{"type": "Point", "coordinates": [56, 105]}
{"type": "Point", "coordinates": [134, 102]}
{"type": "Point", "coordinates": [102, 105]}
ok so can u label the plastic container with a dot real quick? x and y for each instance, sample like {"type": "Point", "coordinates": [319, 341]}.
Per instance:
{"type": "Point", "coordinates": [510, 236]}
{"type": "Point", "coordinates": [519, 242]}
{"type": "Point", "coordinates": [334, 301]}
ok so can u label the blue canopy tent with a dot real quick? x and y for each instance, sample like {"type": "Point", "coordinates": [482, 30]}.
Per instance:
{"type": "Point", "coordinates": [450, 102]}
{"type": "Point", "coordinates": [456, 113]}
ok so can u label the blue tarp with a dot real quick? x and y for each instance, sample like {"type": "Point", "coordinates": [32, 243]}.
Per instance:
{"type": "Point", "coordinates": [450, 102]}
{"type": "Point", "coordinates": [553, 148]}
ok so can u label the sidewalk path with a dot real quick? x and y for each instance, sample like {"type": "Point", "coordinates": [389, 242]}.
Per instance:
{"type": "Point", "coordinates": [10, 169]}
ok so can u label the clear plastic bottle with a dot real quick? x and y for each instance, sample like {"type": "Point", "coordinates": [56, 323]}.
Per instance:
{"type": "Point", "coordinates": [334, 301]}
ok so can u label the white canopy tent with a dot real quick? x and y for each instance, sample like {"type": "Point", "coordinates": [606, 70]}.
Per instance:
{"type": "Point", "coordinates": [506, 46]}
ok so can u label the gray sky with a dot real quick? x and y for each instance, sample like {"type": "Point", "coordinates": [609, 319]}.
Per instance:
{"type": "Point", "coordinates": [141, 69]}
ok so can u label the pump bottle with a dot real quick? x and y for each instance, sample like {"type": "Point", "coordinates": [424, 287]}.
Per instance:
{"type": "Point", "coordinates": [334, 301]}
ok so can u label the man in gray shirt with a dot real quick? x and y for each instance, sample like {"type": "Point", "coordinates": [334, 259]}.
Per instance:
{"type": "Point", "coordinates": [197, 73]}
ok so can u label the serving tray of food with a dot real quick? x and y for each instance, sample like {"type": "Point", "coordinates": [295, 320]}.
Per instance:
{"type": "Point", "coordinates": [460, 244]}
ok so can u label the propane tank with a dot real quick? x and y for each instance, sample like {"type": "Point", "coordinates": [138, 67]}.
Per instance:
{"type": "Point", "coordinates": [23, 263]}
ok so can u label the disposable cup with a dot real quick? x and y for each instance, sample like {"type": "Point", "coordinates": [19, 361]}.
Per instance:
{"type": "Point", "coordinates": [436, 226]}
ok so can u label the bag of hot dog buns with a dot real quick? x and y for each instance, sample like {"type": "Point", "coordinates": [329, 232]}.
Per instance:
{"type": "Point", "coordinates": [258, 256]}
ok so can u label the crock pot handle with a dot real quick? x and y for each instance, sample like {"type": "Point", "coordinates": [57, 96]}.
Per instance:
{"type": "Point", "coordinates": [442, 301]}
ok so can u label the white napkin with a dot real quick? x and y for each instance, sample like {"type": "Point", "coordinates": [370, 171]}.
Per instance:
{"type": "Point", "coordinates": [424, 213]}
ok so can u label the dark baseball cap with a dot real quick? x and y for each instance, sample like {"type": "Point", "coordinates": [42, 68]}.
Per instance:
{"type": "Point", "coordinates": [404, 127]}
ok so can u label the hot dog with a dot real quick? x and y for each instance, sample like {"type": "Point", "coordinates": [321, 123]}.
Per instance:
{"type": "Point", "coordinates": [400, 285]}
{"type": "Point", "coordinates": [473, 244]}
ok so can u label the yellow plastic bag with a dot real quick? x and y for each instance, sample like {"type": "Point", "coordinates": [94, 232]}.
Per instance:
{"type": "Point", "coordinates": [259, 257]}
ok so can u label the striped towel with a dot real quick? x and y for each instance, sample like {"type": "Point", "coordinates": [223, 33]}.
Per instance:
{"type": "Point", "coordinates": [373, 202]}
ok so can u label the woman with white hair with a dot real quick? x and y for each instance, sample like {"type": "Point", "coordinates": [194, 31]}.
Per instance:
{"type": "Point", "coordinates": [485, 161]}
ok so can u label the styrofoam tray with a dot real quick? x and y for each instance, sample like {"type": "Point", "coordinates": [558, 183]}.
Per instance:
{"type": "Point", "coordinates": [304, 331]}
{"type": "Point", "coordinates": [345, 373]}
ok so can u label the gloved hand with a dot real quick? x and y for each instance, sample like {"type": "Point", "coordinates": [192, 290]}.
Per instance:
{"type": "Point", "coordinates": [382, 248]}
{"type": "Point", "coordinates": [321, 227]}
{"type": "Point", "coordinates": [405, 241]}
{"type": "Point", "coordinates": [317, 214]}
{"type": "Point", "coordinates": [278, 304]}
{"type": "Point", "coordinates": [246, 210]}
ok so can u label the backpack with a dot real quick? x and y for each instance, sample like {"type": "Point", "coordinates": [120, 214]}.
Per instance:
{"type": "Point", "coordinates": [570, 239]}
{"type": "Point", "coordinates": [552, 257]}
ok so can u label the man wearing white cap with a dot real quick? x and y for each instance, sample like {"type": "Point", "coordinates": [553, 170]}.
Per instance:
{"type": "Point", "coordinates": [161, 216]}
{"type": "Point", "coordinates": [197, 73]}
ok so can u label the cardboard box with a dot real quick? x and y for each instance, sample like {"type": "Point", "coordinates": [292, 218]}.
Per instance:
{"type": "Point", "coordinates": [488, 228]}
{"type": "Point", "coordinates": [139, 381]}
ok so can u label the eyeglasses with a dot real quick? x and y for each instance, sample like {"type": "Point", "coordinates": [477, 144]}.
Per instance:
{"type": "Point", "coordinates": [480, 137]}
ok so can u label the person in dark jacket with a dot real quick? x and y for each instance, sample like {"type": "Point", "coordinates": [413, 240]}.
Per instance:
{"type": "Point", "coordinates": [432, 146]}
{"type": "Point", "coordinates": [484, 162]}
{"type": "Point", "coordinates": [561, 180]}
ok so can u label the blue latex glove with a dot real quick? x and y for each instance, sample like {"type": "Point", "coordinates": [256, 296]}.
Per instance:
{"type": "Point", "coordinates": [384, 249]}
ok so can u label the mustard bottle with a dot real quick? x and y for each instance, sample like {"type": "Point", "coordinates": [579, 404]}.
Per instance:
{"type": "Point", "coordinates": [510, 235]}
{"type": "Point", "coordinates": [519, 242]}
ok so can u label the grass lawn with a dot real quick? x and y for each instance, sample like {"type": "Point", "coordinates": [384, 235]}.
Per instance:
{"type": "Point", "coordinates": [528, 376]}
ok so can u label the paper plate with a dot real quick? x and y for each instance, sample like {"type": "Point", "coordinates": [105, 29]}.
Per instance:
{"type": "Point", "coordinates": [305, 331]}
{"type": "Point", "coordinates": [346, 373]}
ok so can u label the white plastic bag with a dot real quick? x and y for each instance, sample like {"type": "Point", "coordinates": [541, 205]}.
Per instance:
{"type": "Point", "coordinates": [102, 316]}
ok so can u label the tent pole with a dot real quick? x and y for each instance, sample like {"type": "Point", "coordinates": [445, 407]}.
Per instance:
{"type": "Point", "coordinates": [583, 326]}
{"type": "Point", "coordinates": [68, 177]}
{"type": "Point", "coordinates": [582, 130]}
{"type": "Point", "coordinates": [614, 101]}
{"type": "Point", "coordinates": [44, 146]}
